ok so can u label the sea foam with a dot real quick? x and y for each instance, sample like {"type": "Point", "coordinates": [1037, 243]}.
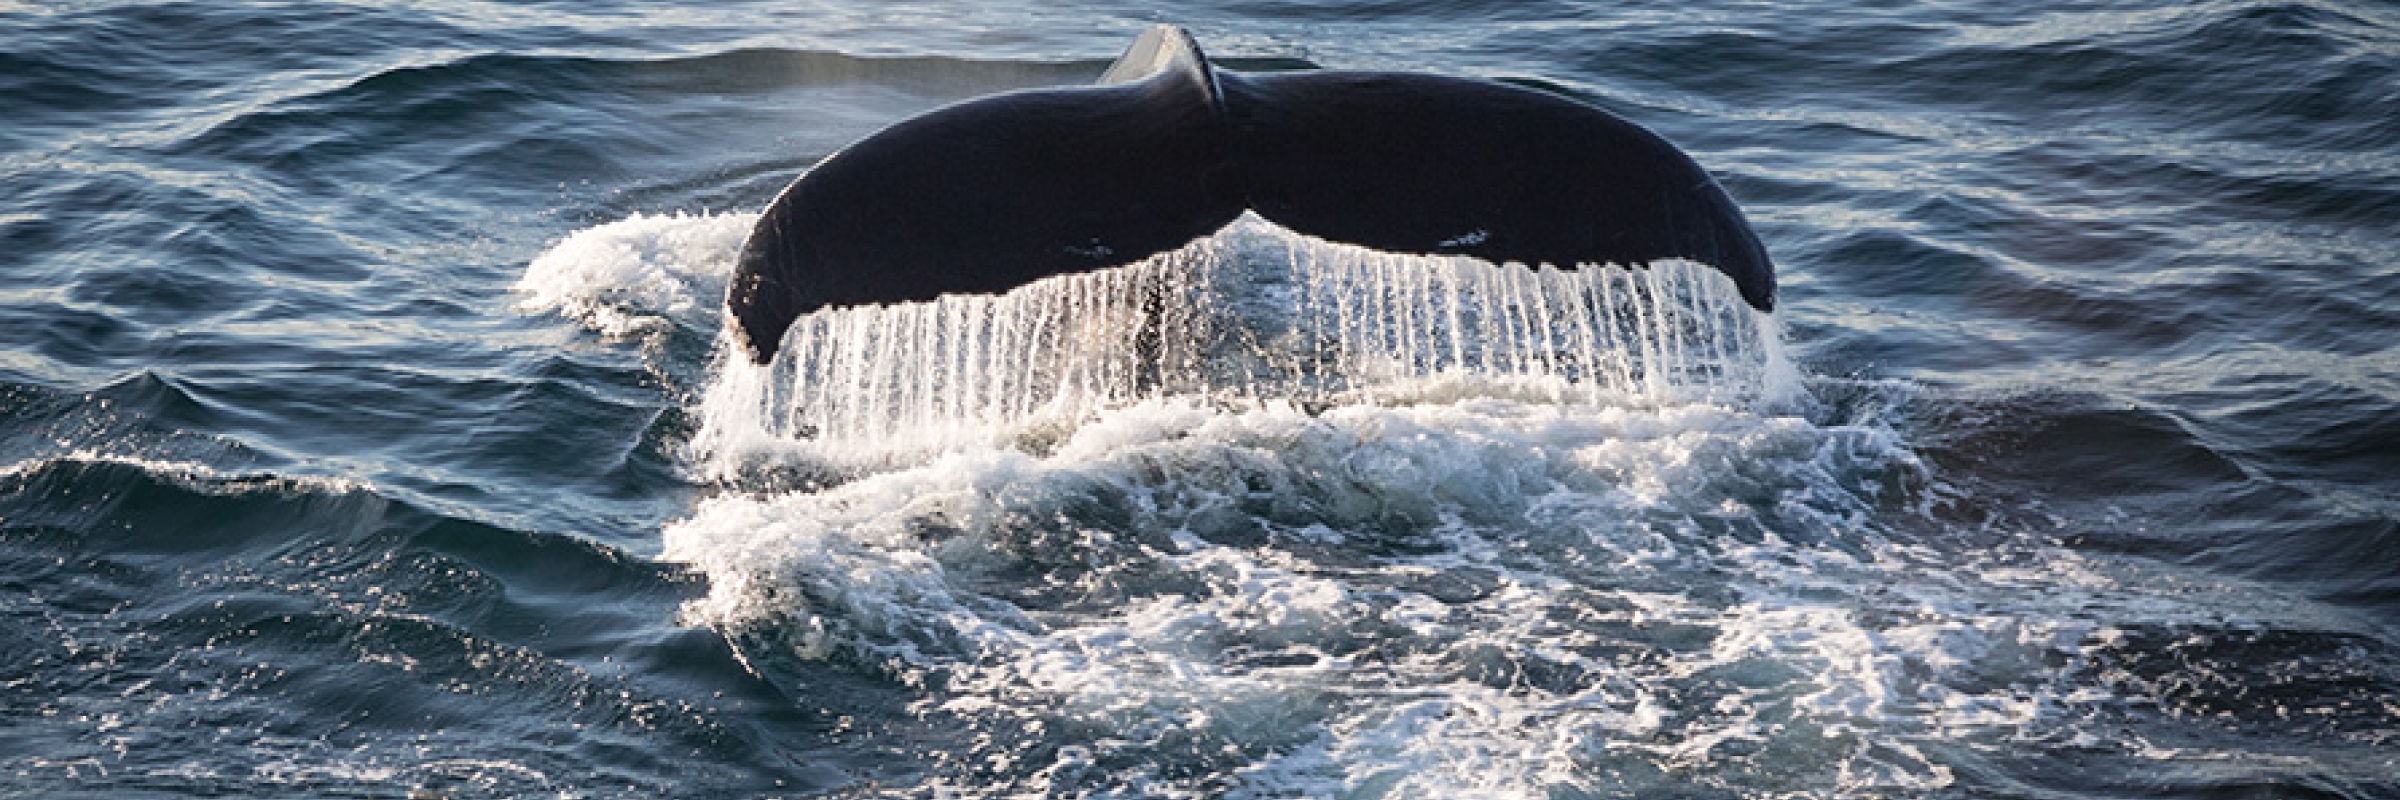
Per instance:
{"type": "Point", "coordinates": [1353, 524]}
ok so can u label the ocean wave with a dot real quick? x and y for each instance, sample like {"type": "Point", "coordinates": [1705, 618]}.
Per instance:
{"type": "Point", "coordinates": [331, 634]}
{"type": "Point", "coordinates": [367, 428]}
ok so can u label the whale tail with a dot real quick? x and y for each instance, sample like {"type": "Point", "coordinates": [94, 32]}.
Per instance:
{"type": "Point", "coordinates": [997, 192]}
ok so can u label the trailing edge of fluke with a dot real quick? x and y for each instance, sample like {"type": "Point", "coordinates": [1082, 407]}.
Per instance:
{"type": "Point", "coordinates": [997, 192]}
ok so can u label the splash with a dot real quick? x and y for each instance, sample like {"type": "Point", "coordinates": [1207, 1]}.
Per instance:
{"type": "Point", "coordinates": [1486, 598]}
{"type": "Point", "coordinates": [1310, 320]}
{"type": "Point", "coordinates": [636, 273]}
{"type": "Point", "coordinates": [1269, 517]}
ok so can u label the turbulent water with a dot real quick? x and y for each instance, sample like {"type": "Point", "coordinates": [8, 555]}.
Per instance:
{"type": "Point", "coordinates": [369, 426]}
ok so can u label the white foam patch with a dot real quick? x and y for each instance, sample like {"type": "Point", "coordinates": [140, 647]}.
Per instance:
{"type": "Point", "coordinates": [1482, 597]}
{"type": "Point", "coordinates": [192, 475]}
{"type": "Point", "coordinates": [639, 272]}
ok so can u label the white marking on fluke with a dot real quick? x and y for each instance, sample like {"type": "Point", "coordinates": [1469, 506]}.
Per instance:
{"type": "Point", "coordinates": [1468, 239]}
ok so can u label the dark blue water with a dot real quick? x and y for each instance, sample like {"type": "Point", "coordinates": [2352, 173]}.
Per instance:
{"type": "Point", "coordinates": [364, 430]}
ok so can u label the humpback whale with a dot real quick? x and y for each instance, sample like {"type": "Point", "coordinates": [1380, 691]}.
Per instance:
{"type": "Point", "coordinates": [996, 192]}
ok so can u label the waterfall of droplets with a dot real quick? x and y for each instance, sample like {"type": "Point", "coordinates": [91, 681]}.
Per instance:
{"type": "Point", "coordinates": [864, 386]}
{"type": "Point", "coordinates": [861, 387]}
{"type": "Point", "coordinates": [1674, 332]}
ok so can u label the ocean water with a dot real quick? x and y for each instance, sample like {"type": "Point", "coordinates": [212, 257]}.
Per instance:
{"type": "Point", "coordinates": [367, 426]}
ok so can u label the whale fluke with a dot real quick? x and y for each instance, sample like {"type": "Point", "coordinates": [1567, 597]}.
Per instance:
{"type": "Point", "coordinates": [997, 192]}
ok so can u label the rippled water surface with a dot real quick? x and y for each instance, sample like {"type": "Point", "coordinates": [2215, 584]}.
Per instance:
{"type": "Point", "coordinates": [366, 428]}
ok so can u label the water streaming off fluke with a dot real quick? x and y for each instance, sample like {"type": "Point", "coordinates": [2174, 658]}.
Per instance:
{"type": "Point", "coordinates": [1253, 314]}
